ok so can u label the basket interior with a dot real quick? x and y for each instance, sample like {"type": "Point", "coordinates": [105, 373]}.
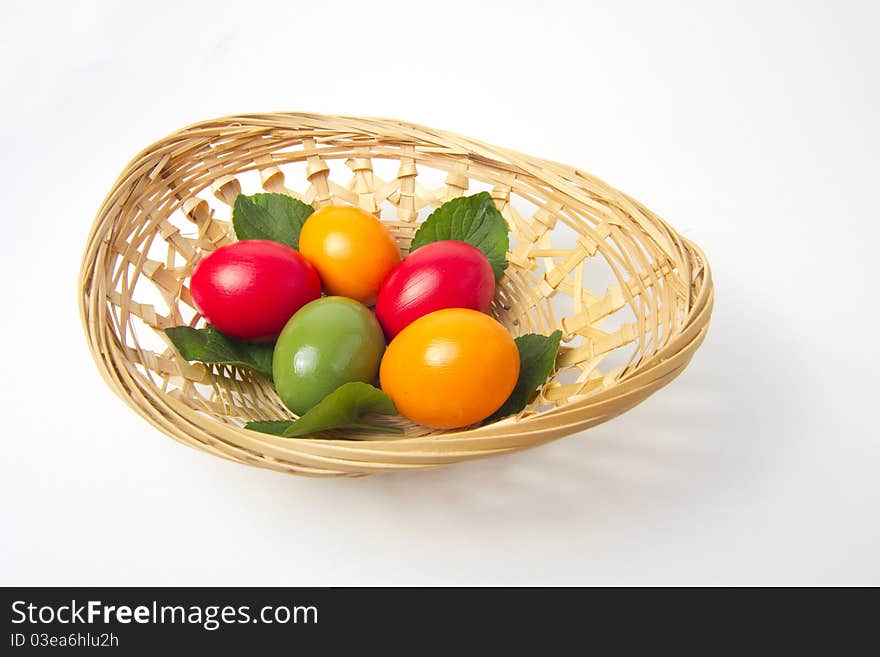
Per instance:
{"type": "Point", "coordinates": [584, 269]}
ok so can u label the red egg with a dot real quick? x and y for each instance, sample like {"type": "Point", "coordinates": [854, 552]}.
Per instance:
{"type": "Point", "coordinates": [444, 274]}
{"type": "Point", "coordinates": [249, 289]}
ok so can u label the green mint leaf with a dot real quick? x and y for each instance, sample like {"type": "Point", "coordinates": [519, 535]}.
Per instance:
{"type": "Point", "coordinates": [537, 357]}
{"type": "Point", "coordinates": [472, 219]}
{"type": "Point", "coordinates": [209, 345]}
{"type": "Point", "coordinates": [343, 409]}
{"type": "Point", "coordinates": [274, 427]}
{"type": "Point", "coordinates": [276, 217]}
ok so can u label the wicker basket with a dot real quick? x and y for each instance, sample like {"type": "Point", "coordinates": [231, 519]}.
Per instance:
{"type": "Point", "coordinates": [631, 296]}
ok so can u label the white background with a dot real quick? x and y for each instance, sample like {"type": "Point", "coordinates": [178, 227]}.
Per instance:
{"type": "Point", "coordinates": [750, 126]}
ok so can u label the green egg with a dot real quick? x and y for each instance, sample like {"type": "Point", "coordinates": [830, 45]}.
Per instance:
{"type": "Point", "coordinates": [328, 342]}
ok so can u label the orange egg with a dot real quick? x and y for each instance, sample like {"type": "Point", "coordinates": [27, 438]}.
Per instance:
{"type": "Point", "coordinates": [351, 249]}
{"type": "Point", "coordinates": [450, 368]}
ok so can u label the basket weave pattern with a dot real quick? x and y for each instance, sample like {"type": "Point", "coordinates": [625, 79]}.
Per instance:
{"type": "Point", "coordinates": [631, 296]}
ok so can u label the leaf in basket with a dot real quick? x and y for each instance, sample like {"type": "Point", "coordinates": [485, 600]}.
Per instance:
{"type": "Point", "coordinates": [209, 345]}
{"type": "Point", "coordinates": [273, 427]}
{"type": "Point", "coordinates": [276, 217]}
{"type": "Point", "coordinates": [472, 219]}
{"type": "Point", "coordinates": [341, 409]}
{"type": "Point", "coordinates": [537, 357]}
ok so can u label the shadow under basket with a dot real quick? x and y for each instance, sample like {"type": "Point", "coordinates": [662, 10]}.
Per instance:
{"type": "Point", "coordinates": [631, 296]}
